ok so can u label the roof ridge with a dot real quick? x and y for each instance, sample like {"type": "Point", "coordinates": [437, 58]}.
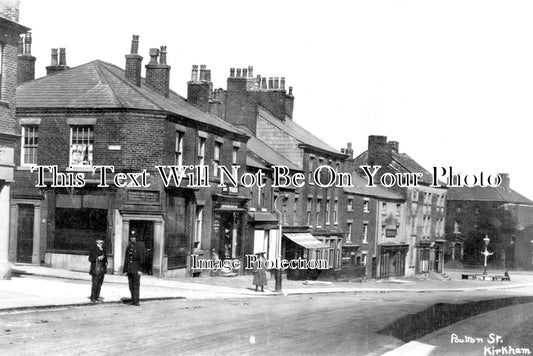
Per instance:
{"type": "Point", "coordinates": [330, 149]}
{"type": "Point", "coordinates": [134, 87]}
{"type": "Point", "coordinates": [98, 66]}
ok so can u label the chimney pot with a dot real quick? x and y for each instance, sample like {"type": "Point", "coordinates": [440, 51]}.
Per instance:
{"type": "Point", "coordinates": [135, 44]}
{"type": "Point", "coordinates": [263, 83]}
{"type": "Point", "coordinates": [54, 57]}
{"type": "Point", "coordinates": [238, 72]}
{"type": "Point", "coordinates": [62, 57]}
{"type": "Point", "coordinates": [154, 53]}
{"type": "Point", "coordinates": [208, 75]}
{"type": "Point", "coordinates": [290, 90]}
{"type": "Point", "coordinates": [21, 45]}
{"type": "Point", "coordinates": [244, 72]}
{"type": "Point", "coordinates": [27, 43]}
{"type": "Point", "coordinates": [194, 73]}
{"type": "Point", "coordinates": [134, 63]}
{"type": "Point", "coordinates": [282, 83]}
{"type": "Point", "coordinates": [251, 71]}
{"type": "Point", "coordinates": [163, 55]}
{"type": "Point", "coordinates": [232, 73]}
{"type": "Point", "coordinates": [270, 83]}
{"type": "Point", "coordinates": [276, 82]}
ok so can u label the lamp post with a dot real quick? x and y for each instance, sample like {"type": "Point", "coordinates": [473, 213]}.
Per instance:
{"type": "Point", "coordinates": [278, 274]}
{"type": "Point", "coordinates": [486, 253]}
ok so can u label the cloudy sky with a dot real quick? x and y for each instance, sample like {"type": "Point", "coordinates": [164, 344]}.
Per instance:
{"type": "Point", "coordinates": [452, 81]}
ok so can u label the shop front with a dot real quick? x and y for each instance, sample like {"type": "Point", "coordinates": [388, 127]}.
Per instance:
{"type": "Point", "coordinates": [392, 260]}
{"type": "Point", "coordinates": [228, 231]}
{"type": "Point", "coordinates": [304, 245]}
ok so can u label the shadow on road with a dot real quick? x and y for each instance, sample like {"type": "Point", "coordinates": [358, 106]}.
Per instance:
{"type": "Point", "coordinates": [415, 326]}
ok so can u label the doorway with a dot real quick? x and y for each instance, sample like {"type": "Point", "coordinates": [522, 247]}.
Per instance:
{"type": "Point", "coordinates": [144, 231]}
{"type": "Point", "coordinates": [25, 233]}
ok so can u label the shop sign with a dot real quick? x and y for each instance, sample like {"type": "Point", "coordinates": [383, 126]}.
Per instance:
{"type": "Point", "coordinates": [151, 197]}
{"type": "Point", "coordinates": [229, 190]}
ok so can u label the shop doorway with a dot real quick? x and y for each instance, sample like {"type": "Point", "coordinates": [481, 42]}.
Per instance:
{"type": "Point", "coordinates": [229, 241]}
{"type": "Point", "coordinates": [144, 231]}
{"type": "Point", "coordinates": [25, 233]}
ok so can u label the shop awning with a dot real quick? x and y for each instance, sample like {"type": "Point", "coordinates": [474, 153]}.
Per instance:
{"type": "Point", "coordinates": [306, 240]}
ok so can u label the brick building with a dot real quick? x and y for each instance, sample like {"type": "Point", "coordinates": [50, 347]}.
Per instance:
{"type": "Point", "coordinates": [376, 244]}
{"type": "Point", "coordinates": [464, 206]}
{"type": "Point", "coordinates": [312, 216]}
{"type": "Point", "coordinates": [9, 131]}
{"type": "Point", "coordinates": [424, 205]}
{"type": "Point", "coordinates": [98, 114]}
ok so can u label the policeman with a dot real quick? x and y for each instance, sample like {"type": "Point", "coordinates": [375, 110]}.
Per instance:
{"type": "Point", "coordinates": [133, 262]}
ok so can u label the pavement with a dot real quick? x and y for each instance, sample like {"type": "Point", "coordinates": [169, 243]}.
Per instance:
{"type": "Point", "coordinates": [33, 287]}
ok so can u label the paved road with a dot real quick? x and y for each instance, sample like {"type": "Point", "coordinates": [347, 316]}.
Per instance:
{"type": "Point", "coordinates": [355, 324]}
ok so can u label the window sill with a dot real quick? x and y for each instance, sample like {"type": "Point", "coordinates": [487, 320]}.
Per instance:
{"type": "Point", "coordinates": [26, 168]}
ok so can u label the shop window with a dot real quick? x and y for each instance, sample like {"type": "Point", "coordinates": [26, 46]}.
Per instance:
{"type": "Point", "coordinates": [178, 150]}
{"type": "Point", "coordinates": [178, 233]}
{"type": "Point", "coordinates": [76, 229]}
{"type": "Point", "coordinates": [30, 134]}
{"type": "Point", "coordinates": [81, 145]}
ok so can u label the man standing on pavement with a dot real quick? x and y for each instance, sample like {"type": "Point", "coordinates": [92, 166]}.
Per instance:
{"type": "Point", "coordinates": [133, 262]}
{"type": "Point", "coordinates": [98, 260]}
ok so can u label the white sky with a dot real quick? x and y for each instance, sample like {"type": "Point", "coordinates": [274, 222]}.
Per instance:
{"type": "Point", "coordinates": [452, 81]}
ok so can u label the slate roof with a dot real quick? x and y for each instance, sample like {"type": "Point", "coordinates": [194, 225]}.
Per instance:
{"type": "Point", "coordinates": [493, 194]}
{"type": "Point", "coordinates": [360, 188]}
{"type": "Point", "coordinates": [266, 153]}
{"type": "Point", "coordinates": [298, 132]}
{"type": "Point", "coordinates": [101, 85]}
{"type": "Point", "coordinates": [402, 163]}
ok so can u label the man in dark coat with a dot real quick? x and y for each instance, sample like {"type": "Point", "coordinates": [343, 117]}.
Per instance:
{"type": "Point", "coordinates": [133, 262]}
{"type": "Point", "coordinates": [98, 260]}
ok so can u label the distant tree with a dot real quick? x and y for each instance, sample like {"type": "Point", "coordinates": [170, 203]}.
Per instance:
{"type": "Point", "coordinates": [500, 226]}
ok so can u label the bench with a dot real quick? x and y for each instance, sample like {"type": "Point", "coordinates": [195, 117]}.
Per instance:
{"type": "Point", "coordinates": [501, 277]}
{"type": "Point", "coordinates": [468, 276]}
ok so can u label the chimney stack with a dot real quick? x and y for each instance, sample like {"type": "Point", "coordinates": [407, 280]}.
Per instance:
{"type": "Point", "coordinates": [349, 150]}
{"type": "Point", "coordinates": [289, 100]}
{"type": "Point", "coordinates": [25, 61]}
{"type": "Point", "coordinates": [506, 181]}
{"type": "Point", "coordinates": [379, 151]}
{"type": "Point", "coordinates": [134, 63]}
{"type": "Point", "coordinates": [158, 74]}
{"type": "Point", "coordinates": [10, 9]}
{"type": "Point", "coordinates": [57, 66]}
{"type": "Point", "coordinates": [394, 145]}
{"type": "Point", "coordinates": [200, 90]}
